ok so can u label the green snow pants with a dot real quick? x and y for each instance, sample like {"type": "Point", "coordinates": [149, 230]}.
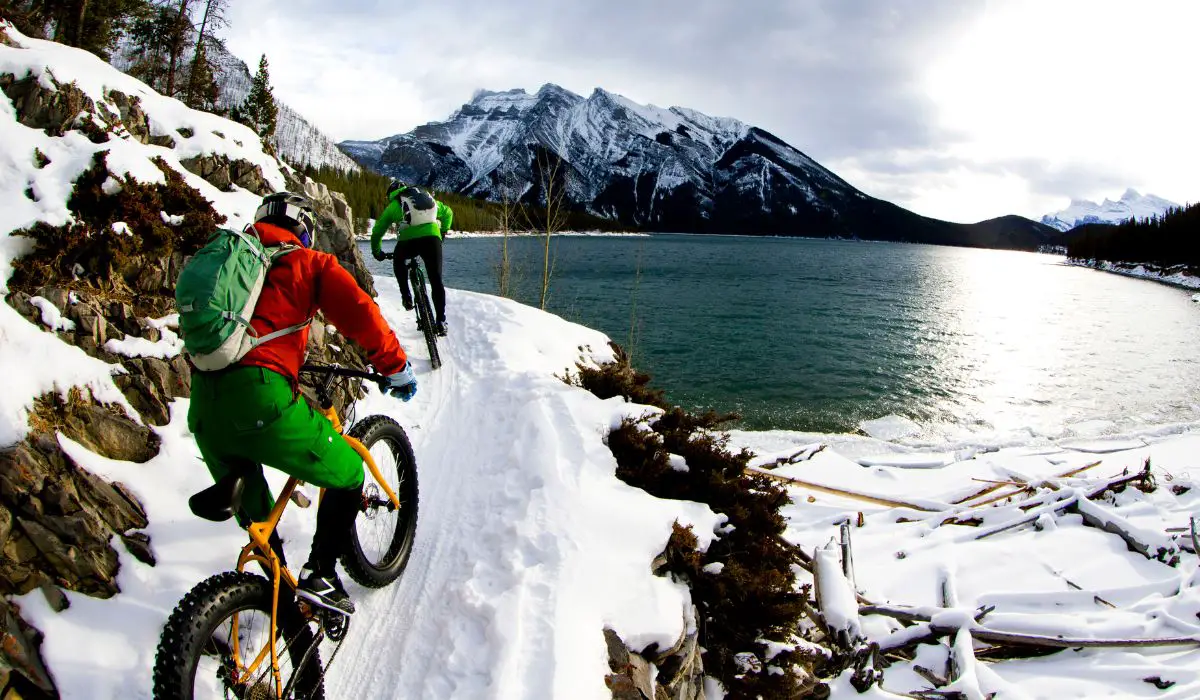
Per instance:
{"type": "Point", "coordinates": [246, 417]}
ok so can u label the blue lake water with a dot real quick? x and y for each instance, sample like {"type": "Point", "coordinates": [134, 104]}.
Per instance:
{"type": "Point", "coordinates": [820, 335]}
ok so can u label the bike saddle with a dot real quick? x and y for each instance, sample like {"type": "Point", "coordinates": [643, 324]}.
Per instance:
{"type": "Point", "coordinates": [221, 500]}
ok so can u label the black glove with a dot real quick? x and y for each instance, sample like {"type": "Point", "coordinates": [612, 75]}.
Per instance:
{"type": "Point", "coordinates": [379, 254]}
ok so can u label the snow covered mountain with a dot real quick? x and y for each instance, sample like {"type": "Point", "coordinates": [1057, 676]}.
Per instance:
{"type": "Point", "coordinates": [659, 169]}
{"type": "Point", "coordinates": [1130, 205]}
{"type": "Point", "coordinates": [296, 139]}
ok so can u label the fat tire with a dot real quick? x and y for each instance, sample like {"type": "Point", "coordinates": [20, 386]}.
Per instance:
{"type": "Point", "coordinates": [198, 614]}
{"type": "Point", "coordinates": [369, 431]}
{"type": "Point", "coordinates": [425, 316]}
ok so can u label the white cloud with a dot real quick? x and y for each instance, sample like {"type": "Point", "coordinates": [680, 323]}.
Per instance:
{"type": "Point", "coordinates": [960, 109]}
{"type": "Point", "coordinates": [1097, 87]}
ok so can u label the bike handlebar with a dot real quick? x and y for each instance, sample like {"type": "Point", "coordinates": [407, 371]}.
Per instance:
{"type": "Point", "coordinates": [337, 371]}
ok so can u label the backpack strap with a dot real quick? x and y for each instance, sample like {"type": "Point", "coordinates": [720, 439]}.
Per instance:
{"type": "Point", "coordinates": [281, 250]}
{"type": "Point", "coordinates": [255, 245]}
{"type": "Point", "coordinates": [281, 332]}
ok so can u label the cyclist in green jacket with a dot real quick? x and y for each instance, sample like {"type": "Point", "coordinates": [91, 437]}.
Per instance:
{"type": "Point", "coordinates": [421, 222]}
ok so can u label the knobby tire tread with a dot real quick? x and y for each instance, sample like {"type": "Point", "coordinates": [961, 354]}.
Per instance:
{"type": "Point", "coordinates": [198, 614]}
{"type": "Point", "coordinates": [368, 431]}
{"type": "Point", "coordinates": [425, 315]}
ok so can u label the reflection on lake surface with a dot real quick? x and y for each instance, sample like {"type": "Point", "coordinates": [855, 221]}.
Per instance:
{"type": "Point", "coordinates": [820, 335]}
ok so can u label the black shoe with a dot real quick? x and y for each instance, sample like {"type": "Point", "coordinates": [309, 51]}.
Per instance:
{"type": "Point", "coordinates": [408, 303]}
{"type": "Point", "coordinates": [439, 328]}
{"type": "Point", "coordinates": [324, 591]}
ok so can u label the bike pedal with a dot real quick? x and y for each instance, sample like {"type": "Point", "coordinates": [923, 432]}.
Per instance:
{"type": "Point", "coordinates": [300, 499]}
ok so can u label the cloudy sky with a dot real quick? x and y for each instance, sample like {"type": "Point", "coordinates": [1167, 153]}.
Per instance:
{"type": "Point", "coordinates": [959, 109]}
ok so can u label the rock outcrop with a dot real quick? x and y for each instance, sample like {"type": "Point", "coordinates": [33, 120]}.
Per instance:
{"type": "Point", "coordinates": [676, 673]}
{"type": "Point", "coordinates": [335, 226]}
{"type": "Point", "coordinates": [223, 173]}
{"type": "Point", "coordinates": [105, 283]}
{"type": "Point", "coordinates": [22, 675]}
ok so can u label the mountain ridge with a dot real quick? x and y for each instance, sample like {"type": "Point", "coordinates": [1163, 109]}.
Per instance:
{"type": "Point", "coordinates": [654, 168]}
{"type": "Point", "coordinates": [1132, 204]}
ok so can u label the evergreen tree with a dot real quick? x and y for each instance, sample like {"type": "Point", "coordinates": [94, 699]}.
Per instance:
{"type": "Point", "coordinates": [93, 25]}
{"type": "Point", "coordinates": [178, 36]}
{"type": "Point", "coordinates": [1169, 239]}
{"type": "Point", "coordinates": [259, 111]}
{"type": "Point", "coordinates": [202, 88]}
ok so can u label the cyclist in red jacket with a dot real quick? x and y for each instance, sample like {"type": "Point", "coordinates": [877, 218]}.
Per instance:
{"type": "Point", "coordinates": [251, 413]}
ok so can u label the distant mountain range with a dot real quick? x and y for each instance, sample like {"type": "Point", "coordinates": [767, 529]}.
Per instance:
{"type": "Point", "coordinates": [657, 169]}
{"type": "Point", "coordinates": [1130, 205]}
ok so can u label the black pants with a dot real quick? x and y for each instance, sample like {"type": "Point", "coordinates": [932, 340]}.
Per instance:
{"type": "Point", "coordinates": [429, 249]}
{"type": "Point", "coordinates": [335, 518]}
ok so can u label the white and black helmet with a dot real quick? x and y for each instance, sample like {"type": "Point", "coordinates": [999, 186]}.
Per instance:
{"type": "Point", "coordinates": [291, 211]}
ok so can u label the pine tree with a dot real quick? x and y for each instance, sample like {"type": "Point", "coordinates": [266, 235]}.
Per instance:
{"type": "Point", "coordinates": [259, 111]}
{"type": "Point", "coordinates": [202, 88]}
{"type": "Point", "coordinates": [93, 25]}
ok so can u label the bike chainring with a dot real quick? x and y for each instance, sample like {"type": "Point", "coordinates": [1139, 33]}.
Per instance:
{"type": "Point", "coordinates": [335, 625]}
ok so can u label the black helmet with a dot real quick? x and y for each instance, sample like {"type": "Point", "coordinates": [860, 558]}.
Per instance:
{"type": "Point", "coordinates": [291, 211]}
{"type": "Point", "coordinates": [395, 185]}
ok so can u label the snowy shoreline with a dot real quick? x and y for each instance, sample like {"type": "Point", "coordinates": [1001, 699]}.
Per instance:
{"type": "Point", "coordinates": [1175, 275]}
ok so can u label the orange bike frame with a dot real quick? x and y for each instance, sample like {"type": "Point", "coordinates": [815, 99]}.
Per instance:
{"type": "Point", "coordinates": [259, 550]}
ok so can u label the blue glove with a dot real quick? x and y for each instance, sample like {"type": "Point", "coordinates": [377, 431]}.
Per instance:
{"type": "Point", "coordinates": [402, 384]}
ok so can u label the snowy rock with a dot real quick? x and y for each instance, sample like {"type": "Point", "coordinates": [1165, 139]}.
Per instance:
{"type": "Point", "coordinates": [53, 109]}
{"type": "Point", "coordinates": [66, 517]}
{"type": "Point", "coordinates": [676, 673]}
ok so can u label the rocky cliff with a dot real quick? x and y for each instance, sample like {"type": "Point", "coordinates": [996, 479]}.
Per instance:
{"type": "Point", "coordinates": [117, 187]}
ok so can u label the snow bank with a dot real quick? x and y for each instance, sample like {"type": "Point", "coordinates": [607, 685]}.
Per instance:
{"type": "Point", "coordinates": [527, 545]}
{"type": "Point", "coordinates": [61, 366]}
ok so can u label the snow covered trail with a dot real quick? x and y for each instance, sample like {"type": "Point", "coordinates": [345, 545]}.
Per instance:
{"type": "Point", "coordinates": [480, 609]}
{"type": "Point", "coordinates": [527, 546]}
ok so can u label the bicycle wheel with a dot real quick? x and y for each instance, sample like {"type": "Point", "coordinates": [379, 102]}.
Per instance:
{"type": "Point", "coordinates": [425, 315]}
{"type": "Point", "coordinates": [198, 657]}
{"type": "Point", "coordinates": [383, 535]}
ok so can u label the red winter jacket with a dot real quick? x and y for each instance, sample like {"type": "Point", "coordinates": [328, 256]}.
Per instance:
{"type": "Point", "coordinates": [299, 284]}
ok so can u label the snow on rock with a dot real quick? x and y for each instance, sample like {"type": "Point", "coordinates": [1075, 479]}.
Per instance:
{"type": "Point", "coordinates": [1178, 275]}
{"type": "Point", "coordinates": [51, 315]}
{"type": "Point", "coordinates": [166, 347]}
{"type": "Point", "coordinates": [67, 156]}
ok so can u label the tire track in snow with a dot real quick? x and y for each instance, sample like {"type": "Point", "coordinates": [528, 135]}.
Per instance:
{"type": "Point", "coordinates": [438, 631]}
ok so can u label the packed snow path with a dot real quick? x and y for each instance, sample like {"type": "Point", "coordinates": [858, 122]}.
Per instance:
{"type": "Point", "coordinates": [434, 633]}
{"type": "Point", "coordinates": [527, 546]}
